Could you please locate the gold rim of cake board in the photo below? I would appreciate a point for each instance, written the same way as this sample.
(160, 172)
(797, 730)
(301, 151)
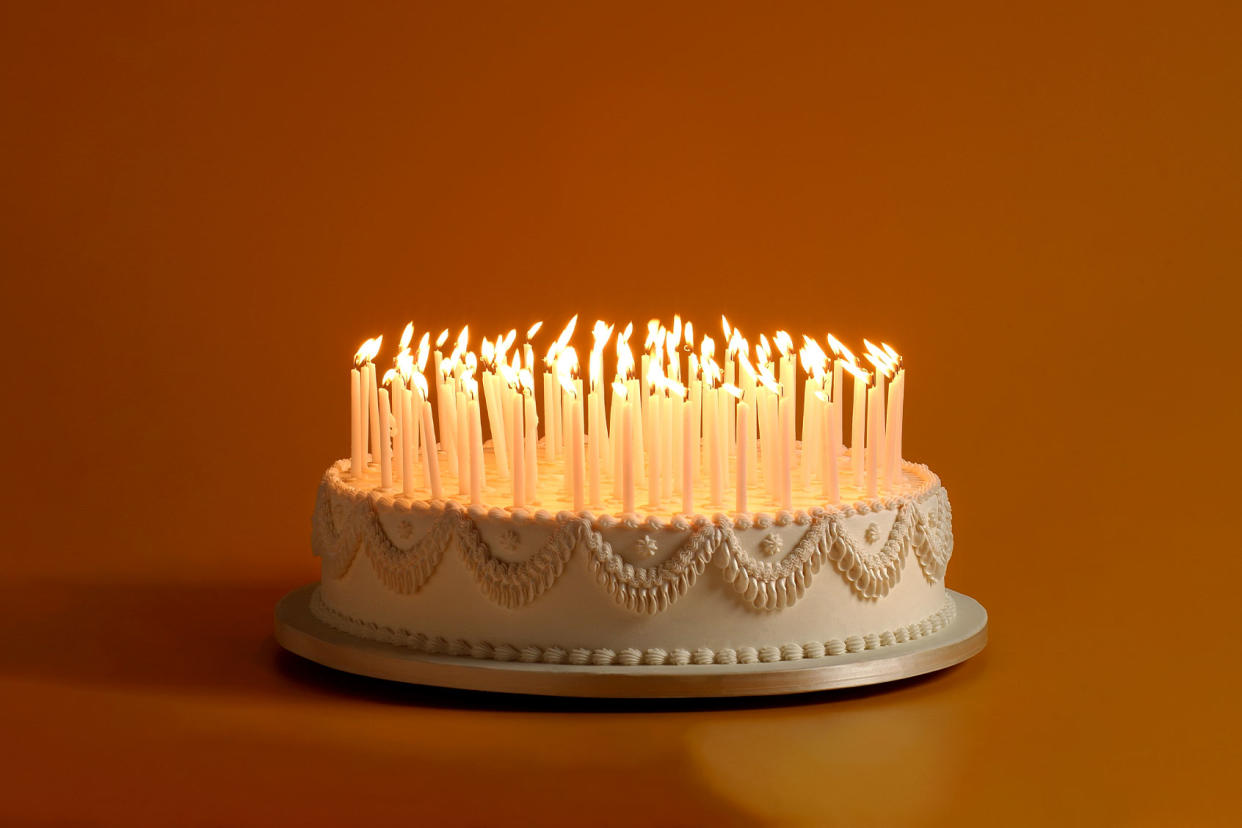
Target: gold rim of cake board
(301, 633)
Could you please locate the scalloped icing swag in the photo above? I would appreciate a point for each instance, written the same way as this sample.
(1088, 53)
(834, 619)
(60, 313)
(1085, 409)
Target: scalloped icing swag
(345, 522)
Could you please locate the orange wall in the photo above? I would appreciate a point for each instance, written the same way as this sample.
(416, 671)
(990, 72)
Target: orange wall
(207, 209)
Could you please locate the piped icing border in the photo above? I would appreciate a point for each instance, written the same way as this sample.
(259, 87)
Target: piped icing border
(346, 520)
(630, 656)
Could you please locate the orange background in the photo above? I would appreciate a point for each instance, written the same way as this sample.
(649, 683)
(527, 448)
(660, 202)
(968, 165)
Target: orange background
(206, 207)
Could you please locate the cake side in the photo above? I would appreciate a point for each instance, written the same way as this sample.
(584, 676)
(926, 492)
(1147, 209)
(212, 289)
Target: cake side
(512, 584)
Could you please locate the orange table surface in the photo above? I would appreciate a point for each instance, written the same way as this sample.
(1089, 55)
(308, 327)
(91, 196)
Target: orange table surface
(206, 208)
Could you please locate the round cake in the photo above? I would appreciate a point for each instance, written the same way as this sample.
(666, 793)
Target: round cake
(557, 570)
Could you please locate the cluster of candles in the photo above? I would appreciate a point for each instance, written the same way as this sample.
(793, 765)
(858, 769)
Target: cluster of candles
(677, 415)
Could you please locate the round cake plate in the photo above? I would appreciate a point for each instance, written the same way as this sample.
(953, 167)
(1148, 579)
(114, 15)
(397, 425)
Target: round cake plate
(300, 632)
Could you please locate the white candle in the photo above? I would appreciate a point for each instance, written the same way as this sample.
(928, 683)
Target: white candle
(838, 377)
(518, 444)
(688, 435)
(786, 459)
(653, 452)
(550, 418)
(627, 455)
(463, 444)
(383, 435)
(364, 411)
(431, 459)
(593, 452)
(711, 420)
(873, 443)
(493, 399)
(743, 454)
(408, 428)
(373, 394)
(531, 443)
(858, 423)
(575, 454)
(897, 400)
(668, 423)
(832, 438)
(355, 423)
(476, 452)
(810, 432)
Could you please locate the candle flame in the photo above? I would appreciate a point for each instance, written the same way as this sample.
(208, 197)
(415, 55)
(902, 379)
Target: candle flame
(675, 337)
(534, 329)
(618, 388)
(629, 330)
(421, 382)
(502, 346)
(690, 335)
(893, 355)
(567, 367)
(488, 352)
(625, 359)
(388, 377)
(821, 396)
(675, 388)
(405, 366)
(407, 335)
(732, 389)
(707, 349)
(879, 359)
(840, 350)
(526, 381)
(724, 325)
(859, 373)
(784, 342)
(472, 387)
(463, 338)
(423, 351)
(653, 325)
(442, 338)
(768, 379)
(563, 339)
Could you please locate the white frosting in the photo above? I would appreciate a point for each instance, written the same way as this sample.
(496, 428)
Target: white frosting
(581, 589)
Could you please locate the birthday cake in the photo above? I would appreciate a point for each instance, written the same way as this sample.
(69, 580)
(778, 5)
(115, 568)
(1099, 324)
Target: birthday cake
(681, 520)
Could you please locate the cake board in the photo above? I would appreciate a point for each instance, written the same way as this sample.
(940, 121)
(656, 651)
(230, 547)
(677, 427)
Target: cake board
(301, 633)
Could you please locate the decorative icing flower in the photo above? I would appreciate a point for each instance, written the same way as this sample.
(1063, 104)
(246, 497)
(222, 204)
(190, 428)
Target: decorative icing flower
(771, 544)
(646, 546)
(509, 540)
(872, 534)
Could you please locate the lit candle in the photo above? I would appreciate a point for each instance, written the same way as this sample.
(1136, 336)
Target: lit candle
(531, 440)
(743, 454)
(463, 444)
(431, 459)
(810, 431)
(711, 425)
(858, 422)
(576, 459)
(786, 460)
(383, 435)
(873, 443)
(409, 427)
(373, 398)
(627, 447)
(518, 444)
(689, 433)
(476, 447)
(832, 437)
(653, 449)
(355, 423)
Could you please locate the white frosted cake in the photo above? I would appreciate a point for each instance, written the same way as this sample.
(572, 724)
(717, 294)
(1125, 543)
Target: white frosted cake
(471, 573)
